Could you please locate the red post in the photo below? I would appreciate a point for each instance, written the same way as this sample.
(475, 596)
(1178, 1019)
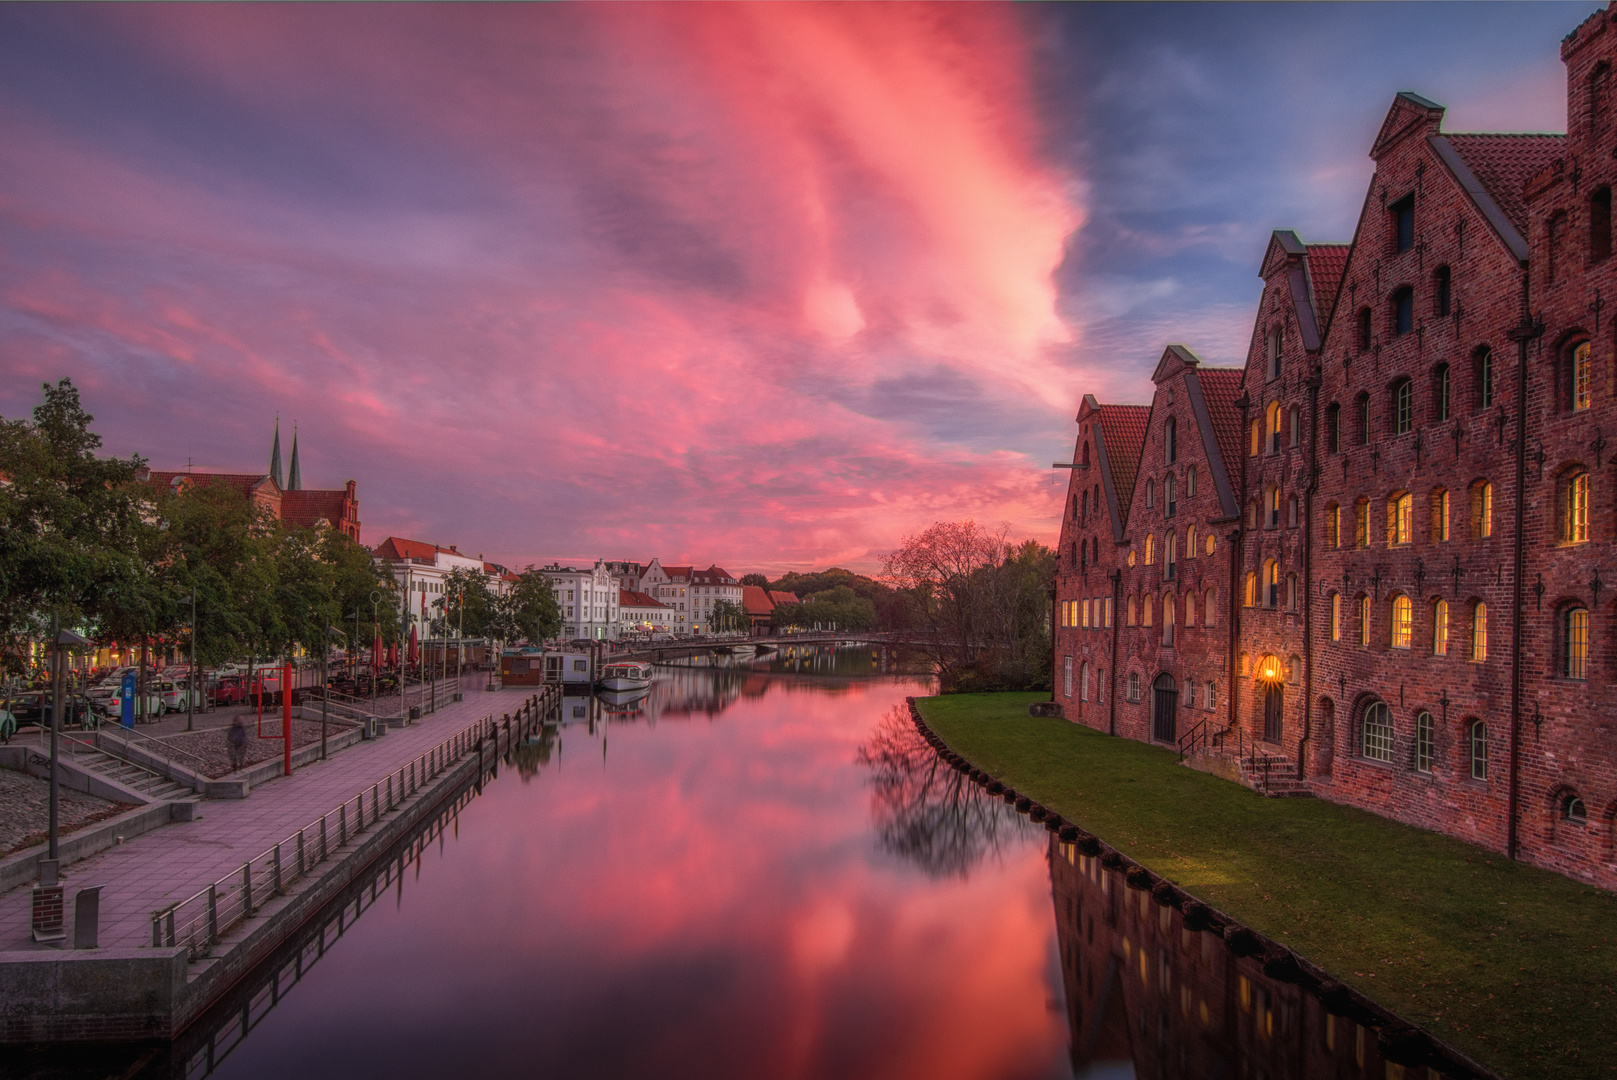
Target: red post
(286, 713)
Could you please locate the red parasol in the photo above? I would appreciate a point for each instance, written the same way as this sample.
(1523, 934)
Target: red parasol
(376, 652)
(414, 650)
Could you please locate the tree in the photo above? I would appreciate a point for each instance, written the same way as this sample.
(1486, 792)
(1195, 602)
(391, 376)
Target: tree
(839, 607)
(755, 579)
(728, 617)
(528, 609)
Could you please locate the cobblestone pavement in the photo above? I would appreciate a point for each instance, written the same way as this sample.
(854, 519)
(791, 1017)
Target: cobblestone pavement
(210, 750)
(169, 864)
(25, 810)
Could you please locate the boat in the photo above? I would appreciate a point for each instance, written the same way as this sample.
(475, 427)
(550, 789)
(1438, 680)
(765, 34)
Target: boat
(625, 675)
(743, 650)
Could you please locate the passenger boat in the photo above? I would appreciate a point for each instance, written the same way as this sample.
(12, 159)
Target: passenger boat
(625, 675)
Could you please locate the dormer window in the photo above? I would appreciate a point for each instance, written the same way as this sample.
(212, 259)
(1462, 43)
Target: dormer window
(1403, 223)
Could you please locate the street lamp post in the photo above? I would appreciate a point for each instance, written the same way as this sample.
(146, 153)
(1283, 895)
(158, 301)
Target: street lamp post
(376, 630)
(191, 682)
(325, 682)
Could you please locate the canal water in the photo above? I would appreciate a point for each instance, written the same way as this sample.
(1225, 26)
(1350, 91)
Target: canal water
(756, 870)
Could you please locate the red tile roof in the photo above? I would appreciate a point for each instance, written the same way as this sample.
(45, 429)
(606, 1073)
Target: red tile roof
(677, 573)
(756, 599)
(396, 547)
(246, 483)
(713, 575)
(1504, 163)
(1220, 389)
(784, 597)
(1326, 263)
(630, 598)
(306, 507)
(1124, 428)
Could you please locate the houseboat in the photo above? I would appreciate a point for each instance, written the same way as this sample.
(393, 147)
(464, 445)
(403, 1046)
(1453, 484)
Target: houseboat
(625, 675)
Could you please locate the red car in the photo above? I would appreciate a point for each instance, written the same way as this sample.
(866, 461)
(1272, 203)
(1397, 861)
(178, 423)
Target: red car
(230, 690)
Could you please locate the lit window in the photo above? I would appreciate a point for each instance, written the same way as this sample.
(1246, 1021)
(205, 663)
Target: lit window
(1273, 414)
(1376, 734)
(1251, 588)
(1271, 583)
(1257, 438)
(1336, 616)
(1108, 611)
(1440, 515)
(1209, 611)
(1479, 750)
(1273, 501)
(1150, 548)
(1575, 507)
(1333, 514)
(1364, 620)
(1211, 544)
(1424, 741)
(1169, 622)
(1403, 618)
(1481, 510)
(1440, 628)
(1129, 617)
(1582, 375)
(1400, 519)
(1145, 611)
(1479, 632)
(1190, 542)
(1575, 643)
(1361, 523)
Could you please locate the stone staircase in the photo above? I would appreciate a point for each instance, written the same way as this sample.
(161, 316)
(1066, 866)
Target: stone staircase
(1273, 776)
(148, 783)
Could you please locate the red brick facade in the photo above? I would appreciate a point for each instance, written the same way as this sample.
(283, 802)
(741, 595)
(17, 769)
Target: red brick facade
(1415, 451)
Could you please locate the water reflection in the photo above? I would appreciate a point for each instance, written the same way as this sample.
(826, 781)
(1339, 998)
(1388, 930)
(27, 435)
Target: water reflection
(928, 813)
(1148, 998)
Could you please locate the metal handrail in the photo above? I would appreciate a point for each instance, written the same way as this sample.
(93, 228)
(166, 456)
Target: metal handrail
(150, 740)
(1188, 741)
(198, 921)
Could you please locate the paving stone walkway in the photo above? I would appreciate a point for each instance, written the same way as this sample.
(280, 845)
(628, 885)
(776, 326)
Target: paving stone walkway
(169, 864)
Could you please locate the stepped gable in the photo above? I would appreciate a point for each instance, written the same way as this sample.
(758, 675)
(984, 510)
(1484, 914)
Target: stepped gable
(1326, 265)
(1124, 427)
(1503, 163)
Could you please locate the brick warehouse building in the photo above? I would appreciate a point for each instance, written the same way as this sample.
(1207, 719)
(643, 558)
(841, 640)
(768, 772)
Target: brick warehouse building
(1419, 512)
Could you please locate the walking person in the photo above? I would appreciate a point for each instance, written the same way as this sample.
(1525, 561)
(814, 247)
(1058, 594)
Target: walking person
(238, 744)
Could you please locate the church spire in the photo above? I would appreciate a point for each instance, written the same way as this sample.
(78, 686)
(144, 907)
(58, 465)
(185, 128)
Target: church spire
(275, 454)
(294, 478)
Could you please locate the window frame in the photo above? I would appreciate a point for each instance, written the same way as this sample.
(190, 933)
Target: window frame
(1401, 629)
(1376, 732)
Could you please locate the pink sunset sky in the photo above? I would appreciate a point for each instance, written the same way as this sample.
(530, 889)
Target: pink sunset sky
(769, 285)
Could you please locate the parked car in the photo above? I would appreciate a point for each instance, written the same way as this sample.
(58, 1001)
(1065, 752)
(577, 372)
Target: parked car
(230, 690)
(177, 696)
(149, 714)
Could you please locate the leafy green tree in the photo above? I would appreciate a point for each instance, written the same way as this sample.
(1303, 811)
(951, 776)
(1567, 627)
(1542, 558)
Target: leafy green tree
(755, 579)
(729, 617)
(467, 605)
(528, 609)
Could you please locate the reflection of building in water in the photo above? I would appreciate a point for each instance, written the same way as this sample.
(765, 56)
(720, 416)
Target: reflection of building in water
(689, 691)
(1147, 997)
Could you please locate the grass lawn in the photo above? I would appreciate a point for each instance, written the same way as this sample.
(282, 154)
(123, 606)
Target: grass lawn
(1513, 965)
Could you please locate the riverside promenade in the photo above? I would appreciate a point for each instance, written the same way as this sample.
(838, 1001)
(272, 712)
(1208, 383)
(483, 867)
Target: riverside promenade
(155, 870)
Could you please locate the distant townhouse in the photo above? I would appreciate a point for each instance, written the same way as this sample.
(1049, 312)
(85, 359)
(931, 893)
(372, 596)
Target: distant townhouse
(640, 613)
(760, 604)
(670, 585)
(422, 571)
(708, 587)
(588, 598)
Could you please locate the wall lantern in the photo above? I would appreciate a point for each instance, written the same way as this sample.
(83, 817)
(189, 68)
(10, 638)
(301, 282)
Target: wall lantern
(1269, 669)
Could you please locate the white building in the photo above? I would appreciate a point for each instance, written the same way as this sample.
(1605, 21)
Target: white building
(588, 599)
(669, 585)
(421, 571)
(639, 613)
(707, 588)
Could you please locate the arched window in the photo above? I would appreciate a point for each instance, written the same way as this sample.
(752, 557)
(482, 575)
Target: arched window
(1291, 592)
(1108, 606)
(1440, 393)
(1440, 515)
(1333, 526)
(1425, 741)
(1365, 333)
(1363, 404)
(1170, 556)
(1210, 544)
(1169, 620)
(1361, 523)
(1375, 735)
(1257, 437)
(1364, 620)
(1190, 482)
(1572, 809)
(1479, 632)
(1190, 542)
(1271, 583)
(1600, 225)
(1599, 98)
(1335, 616)
(1403, 407)
(1440, 627)
(1443, 292)
(1272, 417)
(1477, 733)
(1134, 686)
(1482, 364)
(1251, 588)
(1403, 223)
(1403, 621)
(1481, 510)
(1333, 428)
(1150, 495)
(1403, 310)
(1190, 609)
(1210, 607)
(1170, 433)
(1083, 682)
(1575, 643)
(1150, 548)
(1400, 519)
(1274, 353)
(1145, 611)
(1271, 499)
(1294, 426)
(1574, 499)
(1169, 494)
